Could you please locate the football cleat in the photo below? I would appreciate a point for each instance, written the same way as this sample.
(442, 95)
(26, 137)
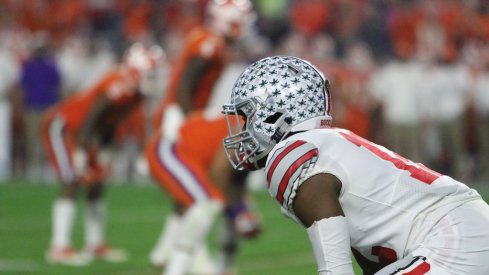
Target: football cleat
(106, 253)
(66, 256)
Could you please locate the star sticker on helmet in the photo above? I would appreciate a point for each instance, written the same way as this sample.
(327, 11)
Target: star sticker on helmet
(262, 73)
(253, 88)
(276, 93)
(311, 111)
(263, 83)
(270, 108)
(285, 85)
(274, 82)
(291, 108)
(261, 115)
(295, 80)
(285, 75)
(301, 91)
(259, 126)
(301, 102)
(273, 72)
(290, 96)
(306, 77)
(310, 88)
(281, 103)
(269, 130)
(302, 114)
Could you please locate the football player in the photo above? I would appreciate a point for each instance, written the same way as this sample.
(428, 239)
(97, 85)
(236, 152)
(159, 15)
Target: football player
(205, 54)
(74, 134)
(196, 174)
(351, 195)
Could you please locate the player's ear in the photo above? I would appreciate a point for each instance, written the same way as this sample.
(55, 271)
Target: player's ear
(317, 198)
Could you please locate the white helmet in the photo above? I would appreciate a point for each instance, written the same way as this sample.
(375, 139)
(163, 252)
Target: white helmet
(230, 18)
(143, 58)
(272, 98)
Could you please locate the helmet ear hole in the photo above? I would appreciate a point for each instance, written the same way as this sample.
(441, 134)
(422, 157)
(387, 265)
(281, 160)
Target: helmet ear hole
(273, 118)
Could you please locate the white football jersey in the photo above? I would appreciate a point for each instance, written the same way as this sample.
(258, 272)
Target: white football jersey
(384, 196)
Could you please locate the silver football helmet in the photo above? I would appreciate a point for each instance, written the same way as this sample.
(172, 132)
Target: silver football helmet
(272, 98)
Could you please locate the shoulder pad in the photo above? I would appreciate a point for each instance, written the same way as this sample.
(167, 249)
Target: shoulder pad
(287, 167)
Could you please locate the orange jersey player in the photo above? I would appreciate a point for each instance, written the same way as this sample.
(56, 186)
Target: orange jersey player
(88, 115)
(72, 134)
(201, 62)
(195, 173)
(188, 178)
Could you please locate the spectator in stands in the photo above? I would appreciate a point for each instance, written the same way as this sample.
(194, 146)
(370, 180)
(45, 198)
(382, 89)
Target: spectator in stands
(397, 86)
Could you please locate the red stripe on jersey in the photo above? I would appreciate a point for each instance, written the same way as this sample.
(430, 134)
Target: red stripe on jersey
(421, 269)
(280, 157)
(292, 169)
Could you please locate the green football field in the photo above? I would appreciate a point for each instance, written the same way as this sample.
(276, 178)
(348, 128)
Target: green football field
(135, 218)
(136, 214)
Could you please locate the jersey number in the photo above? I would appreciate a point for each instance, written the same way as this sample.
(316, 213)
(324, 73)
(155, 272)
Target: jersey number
(417, 170)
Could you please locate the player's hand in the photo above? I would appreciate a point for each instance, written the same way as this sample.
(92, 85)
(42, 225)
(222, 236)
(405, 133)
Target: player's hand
(80, 161)
(172, 121)
(248, 225)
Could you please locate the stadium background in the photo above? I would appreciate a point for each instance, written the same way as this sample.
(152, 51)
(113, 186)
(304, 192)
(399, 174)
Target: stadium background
(399, 68)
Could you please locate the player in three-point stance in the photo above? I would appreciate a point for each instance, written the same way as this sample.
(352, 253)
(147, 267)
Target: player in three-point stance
(351, 195)
(75, 134)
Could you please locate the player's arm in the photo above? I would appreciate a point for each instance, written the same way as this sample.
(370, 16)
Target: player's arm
(317, 206)
(317, 199)
(88, 126)
(191, 77)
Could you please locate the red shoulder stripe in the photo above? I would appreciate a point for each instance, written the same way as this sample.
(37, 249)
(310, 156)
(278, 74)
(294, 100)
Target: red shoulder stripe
(292, 169)
(278, 158)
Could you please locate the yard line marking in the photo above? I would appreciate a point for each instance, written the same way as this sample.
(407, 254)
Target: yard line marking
(19, 265)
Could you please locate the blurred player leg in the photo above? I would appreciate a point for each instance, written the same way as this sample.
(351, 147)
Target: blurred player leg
(196, 223)
(95, 218)
(61, 251)
(228, 246)
(164, 246)
(57, 146)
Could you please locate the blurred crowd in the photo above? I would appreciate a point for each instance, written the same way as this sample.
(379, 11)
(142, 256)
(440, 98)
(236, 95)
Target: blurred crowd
(412, 75)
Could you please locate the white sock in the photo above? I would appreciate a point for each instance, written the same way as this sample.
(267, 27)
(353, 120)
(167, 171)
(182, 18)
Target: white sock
(164, 246)
(63, 217)
(196, 223)
(94, 223)
(180, 259)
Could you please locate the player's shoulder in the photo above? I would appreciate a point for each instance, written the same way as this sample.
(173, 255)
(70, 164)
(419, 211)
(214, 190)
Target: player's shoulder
(292, 160)
(301, 151)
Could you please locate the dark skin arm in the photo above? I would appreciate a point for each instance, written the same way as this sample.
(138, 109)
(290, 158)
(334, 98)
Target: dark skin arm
(191, 78)
(317, 198)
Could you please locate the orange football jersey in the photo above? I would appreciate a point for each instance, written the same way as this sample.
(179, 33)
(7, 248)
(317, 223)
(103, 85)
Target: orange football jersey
(201, 43)
(120, 87)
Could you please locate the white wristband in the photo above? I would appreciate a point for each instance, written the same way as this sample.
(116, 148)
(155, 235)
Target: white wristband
(331, 245)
